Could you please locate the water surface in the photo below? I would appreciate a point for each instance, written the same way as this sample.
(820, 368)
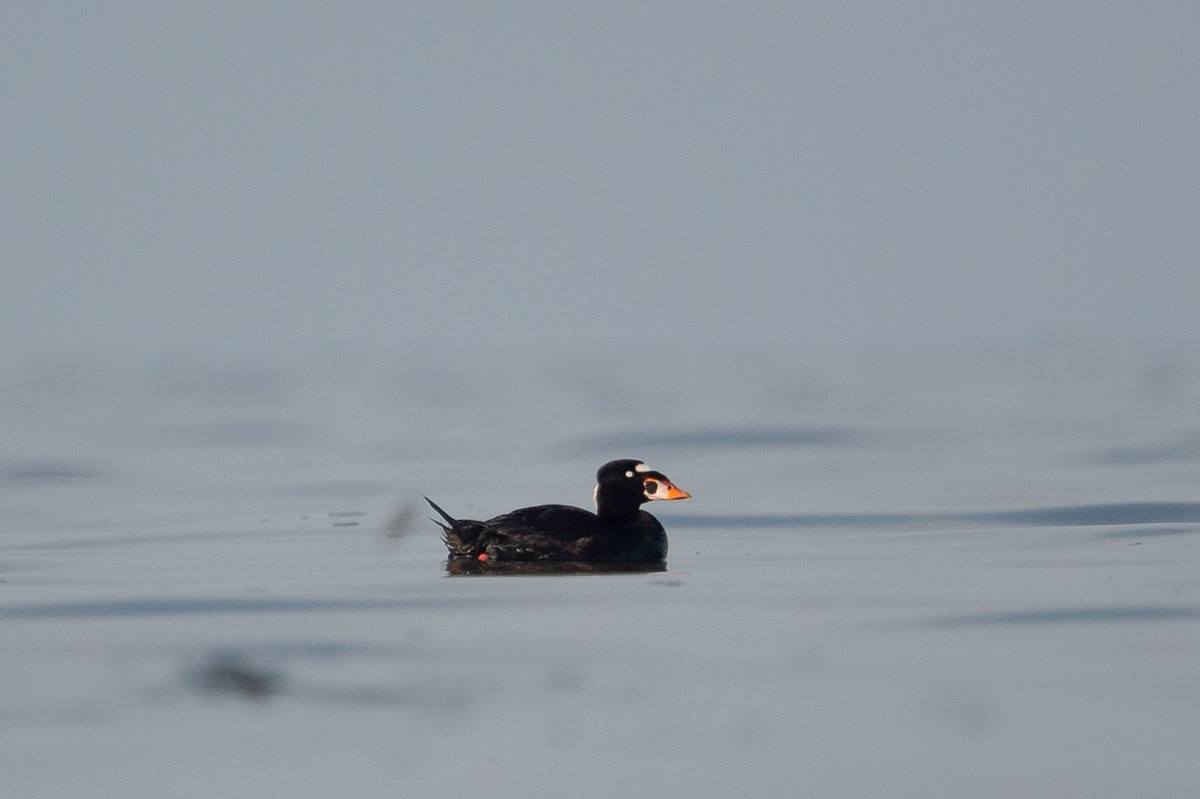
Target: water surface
(972, 578)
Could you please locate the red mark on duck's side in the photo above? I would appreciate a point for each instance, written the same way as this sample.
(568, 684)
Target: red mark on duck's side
(482, 556)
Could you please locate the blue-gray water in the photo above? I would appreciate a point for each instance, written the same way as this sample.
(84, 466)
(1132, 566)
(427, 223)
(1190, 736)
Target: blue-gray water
(912, 577)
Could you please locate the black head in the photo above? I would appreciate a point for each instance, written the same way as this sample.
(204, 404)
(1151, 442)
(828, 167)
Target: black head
(622, 486)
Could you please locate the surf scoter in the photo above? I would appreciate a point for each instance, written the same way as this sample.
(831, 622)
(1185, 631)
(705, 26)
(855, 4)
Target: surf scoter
(618, 532)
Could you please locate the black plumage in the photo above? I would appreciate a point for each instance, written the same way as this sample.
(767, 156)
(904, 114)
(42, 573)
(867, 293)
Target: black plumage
(618, 532)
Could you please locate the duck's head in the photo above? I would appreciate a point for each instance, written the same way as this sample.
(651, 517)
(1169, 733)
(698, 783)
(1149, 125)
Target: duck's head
(622, 486)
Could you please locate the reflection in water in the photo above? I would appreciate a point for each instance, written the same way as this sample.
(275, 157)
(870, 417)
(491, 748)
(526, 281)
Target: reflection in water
(464, 566)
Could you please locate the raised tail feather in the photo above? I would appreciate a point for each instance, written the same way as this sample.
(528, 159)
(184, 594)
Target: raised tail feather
(451, 539)
(449, 519)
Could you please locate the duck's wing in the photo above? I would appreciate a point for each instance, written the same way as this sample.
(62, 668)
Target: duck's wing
(542, 532)
(564, 520)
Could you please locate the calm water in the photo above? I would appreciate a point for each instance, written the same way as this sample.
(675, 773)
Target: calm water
(912, 577)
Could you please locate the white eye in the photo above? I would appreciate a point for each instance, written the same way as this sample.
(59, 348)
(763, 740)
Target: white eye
(629, 474)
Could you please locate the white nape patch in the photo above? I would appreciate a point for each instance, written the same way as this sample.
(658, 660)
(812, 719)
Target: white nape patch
(596, 496)
(641, 467)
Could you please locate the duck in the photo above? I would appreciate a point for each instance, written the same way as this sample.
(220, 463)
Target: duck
(618, 532)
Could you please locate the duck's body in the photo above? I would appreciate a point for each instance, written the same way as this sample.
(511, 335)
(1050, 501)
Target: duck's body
(619, 532)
